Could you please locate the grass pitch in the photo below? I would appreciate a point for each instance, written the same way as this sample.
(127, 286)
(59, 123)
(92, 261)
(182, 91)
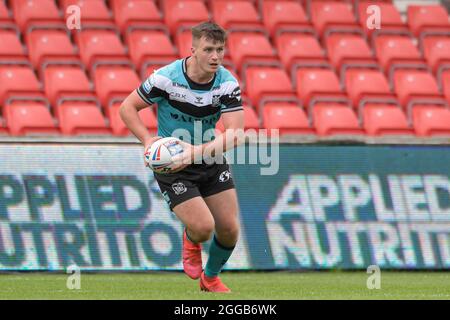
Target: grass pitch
(245, 285)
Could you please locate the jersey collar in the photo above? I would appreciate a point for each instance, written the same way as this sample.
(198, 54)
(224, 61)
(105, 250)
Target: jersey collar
(194, 85)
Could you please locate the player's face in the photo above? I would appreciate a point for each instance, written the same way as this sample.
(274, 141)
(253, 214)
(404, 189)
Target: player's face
(209, 54)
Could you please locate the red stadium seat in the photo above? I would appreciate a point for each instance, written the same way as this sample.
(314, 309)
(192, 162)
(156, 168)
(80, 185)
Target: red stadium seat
(184, 43)
(263, 82)
(446, 84)
(93, 12)
(236, 14)
(5, 16)
(279, 16)
(114, 83)
(427, 18)
(100, 45)
(413, 84)
(333, 16)
(254, 48)
(251, 120)
(30, 117)
(136, 13)
(184, 13)
(384, 119)
(313, 84)
(431, 120)
(303, 49)
(288, 118)
(332, 119)
(29, 13)
(18, 81)
(436, 51)
(50, 45)
(148, 69)
(395, 50)
(345, 49)
(390, 18)
(364, 85)
(81, 118)
(147, 46)
(66, 81)
(119, 128)
(10, 46)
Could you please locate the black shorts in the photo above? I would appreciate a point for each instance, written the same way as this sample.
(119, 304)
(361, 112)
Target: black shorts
(195, 180)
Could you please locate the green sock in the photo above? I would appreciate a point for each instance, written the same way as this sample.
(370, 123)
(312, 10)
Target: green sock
(218, 256)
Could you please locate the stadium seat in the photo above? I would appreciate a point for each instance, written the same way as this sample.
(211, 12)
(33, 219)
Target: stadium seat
(29, 117)
(282, 16)
(18, 81)
(100, 45)
(147, 46)
(288, 118)
(414, 84)
(333, 16)
(136, 13)
(301, 49)
(427, 18)
(119, 128)
(365, 85)
(50, 45)
(333, 119)
(437, 51)
(184, 13)
(10, 46)
(263, 83)
(81, 118)
(390, 18)
(385, 119)
(446, 84)
(394, 50)
(313, 84)
(114, 83)
(431, 120)
(250, 48)
(184, 43)
(348, 49)
(5, 16)
(28, 13)
(237, 15)
(66, 81)
(148, 68)
(251, 120)
(93, 12)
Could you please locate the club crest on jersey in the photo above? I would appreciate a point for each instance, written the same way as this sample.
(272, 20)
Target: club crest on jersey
(225, 176)
(179, 188)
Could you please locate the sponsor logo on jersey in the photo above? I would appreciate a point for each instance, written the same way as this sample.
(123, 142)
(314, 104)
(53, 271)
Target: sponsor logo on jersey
(179, 188)
(216, 101)
(148, 85)
(198, 100)
(225, 176)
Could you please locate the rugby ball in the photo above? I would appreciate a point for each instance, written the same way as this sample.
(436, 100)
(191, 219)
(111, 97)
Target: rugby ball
(159, 154)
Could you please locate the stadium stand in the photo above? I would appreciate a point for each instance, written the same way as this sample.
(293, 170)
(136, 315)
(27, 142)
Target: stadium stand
(309, 67)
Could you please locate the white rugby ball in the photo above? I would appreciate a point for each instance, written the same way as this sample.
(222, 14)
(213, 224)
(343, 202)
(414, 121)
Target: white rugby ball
(159, 155)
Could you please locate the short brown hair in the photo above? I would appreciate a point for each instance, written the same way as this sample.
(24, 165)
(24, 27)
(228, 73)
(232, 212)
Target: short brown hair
(210, 30)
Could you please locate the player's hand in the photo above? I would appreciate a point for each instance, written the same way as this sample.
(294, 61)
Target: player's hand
(147, 145)
(190, 154)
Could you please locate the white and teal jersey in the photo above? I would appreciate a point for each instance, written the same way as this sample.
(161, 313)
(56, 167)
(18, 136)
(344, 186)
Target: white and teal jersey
(184, 104)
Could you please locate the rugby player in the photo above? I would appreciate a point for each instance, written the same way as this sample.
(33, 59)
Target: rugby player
(194, 91)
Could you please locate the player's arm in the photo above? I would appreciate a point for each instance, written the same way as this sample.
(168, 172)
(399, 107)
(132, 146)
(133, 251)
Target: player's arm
(232, 136)
(129, 114)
